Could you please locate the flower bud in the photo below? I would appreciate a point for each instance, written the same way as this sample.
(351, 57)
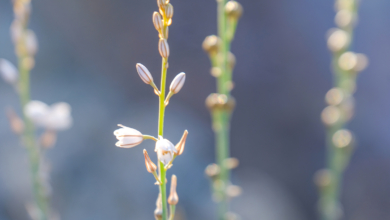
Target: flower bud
(338, 40)
(48, 139)
(180, 146)
(233, 10)
(16, 123)
(342, 138)
(165, 150)
(144, 73)
(161, 3)
(348, 61)
(163, 48)
(128, 137)
(157, 21)
(8, 72)
(173, 198)
(177, 83)
(158, 212)
(31, 42)
(233, 191)
(212, 170)
(231, 163)
(220, 102)
(169, 11)
(150, 166)
(211, 45)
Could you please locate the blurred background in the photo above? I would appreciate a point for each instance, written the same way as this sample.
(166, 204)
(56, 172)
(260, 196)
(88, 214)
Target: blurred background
(87, 56)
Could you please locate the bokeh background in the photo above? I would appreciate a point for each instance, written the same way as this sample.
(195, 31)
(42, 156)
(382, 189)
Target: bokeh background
(87, 56)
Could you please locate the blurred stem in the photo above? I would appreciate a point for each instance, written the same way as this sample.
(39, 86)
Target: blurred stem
(28, 138)
(338, 158)
(172, 212)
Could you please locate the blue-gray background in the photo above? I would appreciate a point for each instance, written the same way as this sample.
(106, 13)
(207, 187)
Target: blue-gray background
(87, 56)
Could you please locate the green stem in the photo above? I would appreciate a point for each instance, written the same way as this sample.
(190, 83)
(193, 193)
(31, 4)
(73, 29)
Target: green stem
(163, 191)
(172, 212)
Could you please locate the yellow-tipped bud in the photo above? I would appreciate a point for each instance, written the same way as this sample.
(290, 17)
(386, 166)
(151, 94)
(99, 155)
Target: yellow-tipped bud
(163, 48)
(233, 9)
(180, 146)
(157, 21)
(173, 198)
(169, 11)
(150, 166)
(211, 45)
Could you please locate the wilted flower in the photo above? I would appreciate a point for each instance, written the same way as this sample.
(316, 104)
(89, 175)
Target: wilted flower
(128, 137)
(165, 150)
(55, 117)
(9, 72)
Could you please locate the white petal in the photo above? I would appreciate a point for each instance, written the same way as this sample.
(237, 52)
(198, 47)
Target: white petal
(128, 137)
(166, 145)
(59, 117)
(178, 82)
(8, 71)
(37, 112)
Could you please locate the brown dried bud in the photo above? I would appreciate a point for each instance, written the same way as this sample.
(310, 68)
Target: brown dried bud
(212, 170)
(163, 48)
(220, 102)
(180, 146)
(173, 198)
(233, 10)
(150, 166)
(161, 3)
(16, 123)
(211, 45)
(48, 139)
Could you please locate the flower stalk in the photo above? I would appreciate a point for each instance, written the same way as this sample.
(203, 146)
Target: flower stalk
(222, 103)
(339, 140)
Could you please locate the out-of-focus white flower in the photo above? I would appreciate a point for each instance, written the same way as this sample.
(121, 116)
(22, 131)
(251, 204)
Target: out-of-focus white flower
(177, 83)
(8, 72)
(128, 137)
(31, 42)
(55, 117)
(165, 150)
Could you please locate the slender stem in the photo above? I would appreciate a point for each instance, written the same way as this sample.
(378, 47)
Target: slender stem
(172, 212)
(337, 158)
(163, 191)
(28, 137)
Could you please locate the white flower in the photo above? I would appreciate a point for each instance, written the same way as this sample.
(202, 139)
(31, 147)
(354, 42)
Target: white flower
(9, 72)
(177, 83)
(165, 150)
(128, 137)
(55, 117)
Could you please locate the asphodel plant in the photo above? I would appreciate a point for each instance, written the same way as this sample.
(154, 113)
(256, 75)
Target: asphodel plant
(221, 104)
(340, 141)
(166, 151)
(36, 114)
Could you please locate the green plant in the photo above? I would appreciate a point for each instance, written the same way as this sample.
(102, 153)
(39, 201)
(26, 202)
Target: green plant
(221, 104)
(346, 66)
(166, 151)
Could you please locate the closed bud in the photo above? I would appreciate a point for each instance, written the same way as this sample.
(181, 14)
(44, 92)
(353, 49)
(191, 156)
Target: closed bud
(177, 83)
(180, 146)
(233, 191)
(157, 21)
(16, 123)
(48, 139)
(348, 61)
(211, 45)
(362, 62)
(144, 73)
(338, 40)
(128, 137)
(31, 42)
(150, 166)
(231, 163)
(231, 60)
(161, 3)
(342, 138)
(173, 198)
(8, 72)
(163, 48)
(212, 170)
(169, 11)
(220, 102)
(233, 9)
(158, 212)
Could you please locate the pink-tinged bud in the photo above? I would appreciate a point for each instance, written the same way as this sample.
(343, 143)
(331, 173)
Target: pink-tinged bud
(173, 198)
(180, 146)
(157, 21)
(177, 83)
(128, 137)
(163, 48)
(31, 42)
(144, 73)
(15, 121)
(8, 72)
(150, 166)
